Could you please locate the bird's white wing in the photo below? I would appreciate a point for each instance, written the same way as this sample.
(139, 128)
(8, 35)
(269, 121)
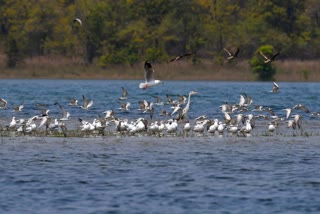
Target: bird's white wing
(43, 121)
(264, 56)
(228, 52)
(90, 104)
(78, 20)
(242, 100)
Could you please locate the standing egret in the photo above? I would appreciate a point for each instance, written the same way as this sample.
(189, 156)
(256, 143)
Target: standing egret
(186, 108)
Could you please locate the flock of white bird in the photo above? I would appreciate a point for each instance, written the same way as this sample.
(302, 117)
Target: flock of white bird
(238, 119)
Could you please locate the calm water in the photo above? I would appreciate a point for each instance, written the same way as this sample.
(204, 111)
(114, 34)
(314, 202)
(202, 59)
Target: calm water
(106, 93)
(259, 174)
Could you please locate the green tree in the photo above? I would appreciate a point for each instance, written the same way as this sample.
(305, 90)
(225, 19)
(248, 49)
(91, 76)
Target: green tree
(183, 29)
(130, 31)
(265, 71)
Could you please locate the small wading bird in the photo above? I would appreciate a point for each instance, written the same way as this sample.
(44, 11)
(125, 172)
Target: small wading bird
(267, 59)
(148, 77)
(232, 55)
(180, 57)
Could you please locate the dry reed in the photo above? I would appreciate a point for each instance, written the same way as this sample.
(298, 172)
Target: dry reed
(57, 67)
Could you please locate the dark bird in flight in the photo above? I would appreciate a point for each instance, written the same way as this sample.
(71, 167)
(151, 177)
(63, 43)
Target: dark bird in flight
(232, 55)
(180, 57)
(269, 59)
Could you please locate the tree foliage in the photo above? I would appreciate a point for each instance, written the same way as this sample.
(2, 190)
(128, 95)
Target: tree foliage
(265, 71)
(131, 31)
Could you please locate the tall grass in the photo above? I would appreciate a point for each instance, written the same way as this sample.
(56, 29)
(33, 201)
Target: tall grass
(57, 67)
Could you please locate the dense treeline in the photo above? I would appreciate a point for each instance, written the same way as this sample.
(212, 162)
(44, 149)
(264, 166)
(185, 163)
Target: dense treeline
(130, 31)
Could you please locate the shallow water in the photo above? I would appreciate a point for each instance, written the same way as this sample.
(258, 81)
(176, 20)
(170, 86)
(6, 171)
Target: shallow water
(150, 174)
(105, 94)
(160, 175)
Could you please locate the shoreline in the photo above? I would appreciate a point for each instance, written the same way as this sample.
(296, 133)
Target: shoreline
(38, 68)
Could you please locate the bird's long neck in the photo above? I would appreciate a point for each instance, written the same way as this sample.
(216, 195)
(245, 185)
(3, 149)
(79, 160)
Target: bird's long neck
(188, 104)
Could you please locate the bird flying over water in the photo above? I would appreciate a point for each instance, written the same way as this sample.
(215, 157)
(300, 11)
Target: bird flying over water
(3, 104)
(158, 100)
(73, 102)
(148, 77)
(18, 108)
(108, 114)
(124, 106)
(65, 114)
(124, 95)
(275, 88)
(301, 107)
(86, 104)
(169, 99)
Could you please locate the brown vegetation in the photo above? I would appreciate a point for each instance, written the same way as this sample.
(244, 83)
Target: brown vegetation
(53, 67)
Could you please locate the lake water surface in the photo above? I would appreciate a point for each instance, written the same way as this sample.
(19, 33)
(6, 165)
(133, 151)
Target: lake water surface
(148, 174)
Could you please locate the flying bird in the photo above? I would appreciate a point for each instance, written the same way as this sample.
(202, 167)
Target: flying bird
(148, 77)
(275, 88)
(73, 102)
(65, 114)
(301, 107)
(269, 59)
(86, 104)
(232, 55)
(169, 99)
(77, 20)
(124, 106)
(18, 108)
(108, 114)
(124, 95)
(158, 100)
(3, 104)
(179, 57)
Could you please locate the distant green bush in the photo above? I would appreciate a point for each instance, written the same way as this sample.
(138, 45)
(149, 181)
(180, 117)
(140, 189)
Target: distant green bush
(121, 56)
(265, 71)
(155, 54)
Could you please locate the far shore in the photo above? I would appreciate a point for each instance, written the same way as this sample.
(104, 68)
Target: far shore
(239, 70)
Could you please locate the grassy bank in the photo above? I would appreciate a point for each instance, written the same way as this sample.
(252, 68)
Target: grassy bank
(75, 68)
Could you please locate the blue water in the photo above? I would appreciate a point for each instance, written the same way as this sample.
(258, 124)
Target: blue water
(143, 174)
(106, 93)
